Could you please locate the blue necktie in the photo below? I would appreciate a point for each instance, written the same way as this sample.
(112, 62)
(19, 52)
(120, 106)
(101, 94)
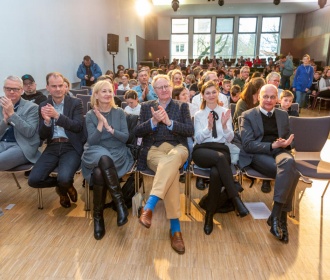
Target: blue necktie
(269, 114)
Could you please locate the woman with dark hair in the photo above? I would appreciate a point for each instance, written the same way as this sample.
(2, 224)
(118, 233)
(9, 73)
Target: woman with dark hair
(213, 129)
(106, 157)
(249, 98)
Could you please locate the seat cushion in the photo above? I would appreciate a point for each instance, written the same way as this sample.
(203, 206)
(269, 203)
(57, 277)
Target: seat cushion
(314, 169)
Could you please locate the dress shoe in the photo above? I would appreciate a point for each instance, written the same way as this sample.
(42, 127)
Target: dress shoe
(177, 242)
(64, 199)
(275, 229)
(240, 207)
(182, 179)
(265, 187)
(72, 192)
(200, 185)
(285, 232)
(208, 226)
(145, 218)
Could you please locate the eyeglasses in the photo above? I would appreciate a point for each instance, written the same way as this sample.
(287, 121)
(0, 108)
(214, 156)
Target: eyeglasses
(166, 87)
(9, 89)
(272, 97)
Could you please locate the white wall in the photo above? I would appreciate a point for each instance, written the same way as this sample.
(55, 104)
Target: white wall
(288, 25)
(41, 36)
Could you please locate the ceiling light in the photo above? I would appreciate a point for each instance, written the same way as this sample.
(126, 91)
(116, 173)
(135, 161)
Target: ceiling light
(221, 2)
(175, 5)
(322, 3)
(276, 2)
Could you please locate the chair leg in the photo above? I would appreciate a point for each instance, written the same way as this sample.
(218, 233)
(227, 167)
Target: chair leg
(325, 190)
(17, 183)
(87, 197)
(293, 211)
(40, 202)
(187, 192)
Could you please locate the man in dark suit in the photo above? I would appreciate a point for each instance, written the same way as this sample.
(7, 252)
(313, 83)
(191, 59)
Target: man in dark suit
(164, 125)
(266, 140)
(61, 123)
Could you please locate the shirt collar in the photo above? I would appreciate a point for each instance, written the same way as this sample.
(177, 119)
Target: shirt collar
(61, 104)
(265, 112)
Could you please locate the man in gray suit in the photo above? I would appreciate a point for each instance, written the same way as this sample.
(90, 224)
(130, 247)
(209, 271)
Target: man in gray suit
(266, 141)
(19, 138)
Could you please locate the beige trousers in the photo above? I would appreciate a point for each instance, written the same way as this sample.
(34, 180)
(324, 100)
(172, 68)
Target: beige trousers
(165, 161)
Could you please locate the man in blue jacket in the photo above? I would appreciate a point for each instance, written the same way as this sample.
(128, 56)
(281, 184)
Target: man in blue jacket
(88, 71)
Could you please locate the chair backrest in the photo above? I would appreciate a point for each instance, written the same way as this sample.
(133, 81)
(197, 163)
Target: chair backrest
(310, 134)
(79, 91)
(89, 89)
(121, 97)
(85, 99)
(89, 106)
(120, 92)
(123, 105)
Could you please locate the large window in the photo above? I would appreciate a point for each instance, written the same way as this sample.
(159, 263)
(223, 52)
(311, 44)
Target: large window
(202, 37)
(224, 37)
(246, 40)
(179, 39)
(270, 35)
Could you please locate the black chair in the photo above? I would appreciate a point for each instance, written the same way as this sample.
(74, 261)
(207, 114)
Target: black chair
(123, 105)
(120, 92)
(79, 91)
(85, 99)
(19, 169)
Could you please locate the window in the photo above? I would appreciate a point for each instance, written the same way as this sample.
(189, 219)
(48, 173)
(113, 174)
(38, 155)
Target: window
(224, 37)
(202, 37)
(269, 37)
(179, 43)
(246, 40)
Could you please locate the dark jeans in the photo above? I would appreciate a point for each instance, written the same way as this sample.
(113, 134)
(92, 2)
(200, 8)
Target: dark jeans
(61, 155)
(281, 166)
(285, 82)
(220, 176)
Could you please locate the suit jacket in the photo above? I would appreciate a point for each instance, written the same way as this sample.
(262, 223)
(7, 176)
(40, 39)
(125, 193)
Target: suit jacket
(183, 127)
(25, 123)
(252, 131)
(72, 120)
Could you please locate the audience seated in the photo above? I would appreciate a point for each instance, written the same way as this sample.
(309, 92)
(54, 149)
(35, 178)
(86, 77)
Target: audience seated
(213, 130)
(235, 94)
(61, 123)
(144, 89)
(244, 75)
(106, 157)
(133, 107)
(164, 125)
(30, 90)
(19, 136)
(324, 85)
(274, 78)
(124, 82)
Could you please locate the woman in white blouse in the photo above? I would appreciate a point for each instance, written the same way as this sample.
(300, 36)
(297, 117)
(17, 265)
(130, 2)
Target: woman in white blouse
(213, 129)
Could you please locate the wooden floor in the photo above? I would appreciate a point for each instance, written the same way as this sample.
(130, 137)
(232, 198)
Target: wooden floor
(58, 243)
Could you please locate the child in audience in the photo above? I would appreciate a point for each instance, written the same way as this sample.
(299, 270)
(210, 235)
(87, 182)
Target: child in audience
(235, 93)
(225, 89)
(133, 107)
(286, 99)
(132, 83)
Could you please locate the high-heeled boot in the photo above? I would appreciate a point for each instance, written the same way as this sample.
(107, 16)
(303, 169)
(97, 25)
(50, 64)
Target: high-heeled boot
(111, 179)
(240, 207)
(99, 194)
(208, 225)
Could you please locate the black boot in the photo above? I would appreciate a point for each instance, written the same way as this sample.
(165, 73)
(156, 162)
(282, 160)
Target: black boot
(240, 207)
(284, 228)
(111, 179)
(208, 226)
(275, 229)
(99, 194)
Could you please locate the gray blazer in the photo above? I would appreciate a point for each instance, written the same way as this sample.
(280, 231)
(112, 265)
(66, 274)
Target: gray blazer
(25, 123)
(252, 131)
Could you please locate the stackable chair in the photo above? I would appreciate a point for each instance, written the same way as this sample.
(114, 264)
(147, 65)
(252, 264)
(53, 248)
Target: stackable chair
(85, 99)
(79, 91)
(19, 169)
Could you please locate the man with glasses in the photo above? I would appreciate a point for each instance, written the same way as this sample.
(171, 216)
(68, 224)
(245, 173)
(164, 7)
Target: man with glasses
(274, 78)
(266, 141)
(244, 74)
(30, 90)
(164, 126)
(144, 89)
(19, 139)
(61, 123)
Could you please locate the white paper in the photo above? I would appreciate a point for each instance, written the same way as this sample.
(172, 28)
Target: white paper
(10, 206)
(258, 210)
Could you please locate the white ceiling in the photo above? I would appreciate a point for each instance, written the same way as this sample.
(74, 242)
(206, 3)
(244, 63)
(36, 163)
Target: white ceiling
(234, 7)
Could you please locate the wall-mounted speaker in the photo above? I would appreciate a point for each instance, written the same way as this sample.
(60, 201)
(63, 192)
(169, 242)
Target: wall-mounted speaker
(113, 43)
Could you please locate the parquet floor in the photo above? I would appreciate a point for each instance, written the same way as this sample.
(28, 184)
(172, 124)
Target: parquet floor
(58, 243)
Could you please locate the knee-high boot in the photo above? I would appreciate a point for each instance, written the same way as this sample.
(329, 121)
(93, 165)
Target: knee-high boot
(111, 179)
(99, 194)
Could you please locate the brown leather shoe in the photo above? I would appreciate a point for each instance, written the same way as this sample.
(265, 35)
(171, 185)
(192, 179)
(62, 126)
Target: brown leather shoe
(145, 218)
(72, 192)
(64, 199)
(177, 242)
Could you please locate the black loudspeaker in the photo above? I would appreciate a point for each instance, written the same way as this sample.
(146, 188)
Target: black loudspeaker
(113, 43)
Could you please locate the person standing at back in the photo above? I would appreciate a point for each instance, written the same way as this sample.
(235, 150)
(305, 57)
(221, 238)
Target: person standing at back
(88, 71)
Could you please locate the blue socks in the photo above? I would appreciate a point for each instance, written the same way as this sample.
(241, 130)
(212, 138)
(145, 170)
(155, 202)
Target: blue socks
(175, 226)
(151, 203)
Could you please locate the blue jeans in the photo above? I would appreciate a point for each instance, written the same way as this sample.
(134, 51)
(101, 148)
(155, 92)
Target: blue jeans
(300, 98)
(61, 155)
(11, 155)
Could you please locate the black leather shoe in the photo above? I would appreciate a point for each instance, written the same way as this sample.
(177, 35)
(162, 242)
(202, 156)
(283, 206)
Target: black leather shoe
(285, 232)
(265, 187)
(64, 199)
(240, 207)
(200, 185)
(275, 229)
(72, 192)
(208, 226)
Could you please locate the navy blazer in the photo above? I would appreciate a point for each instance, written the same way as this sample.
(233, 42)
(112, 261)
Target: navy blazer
(252, 131)
(72, 120)
(183, 127)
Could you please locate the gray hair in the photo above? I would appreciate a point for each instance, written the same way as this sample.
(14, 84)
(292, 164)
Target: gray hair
(158, 77)
(14, 79)
(272, 75)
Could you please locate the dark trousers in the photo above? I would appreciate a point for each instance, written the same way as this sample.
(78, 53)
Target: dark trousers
(220, 176)
(280, 166)
(285, 82)
(61, 155)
